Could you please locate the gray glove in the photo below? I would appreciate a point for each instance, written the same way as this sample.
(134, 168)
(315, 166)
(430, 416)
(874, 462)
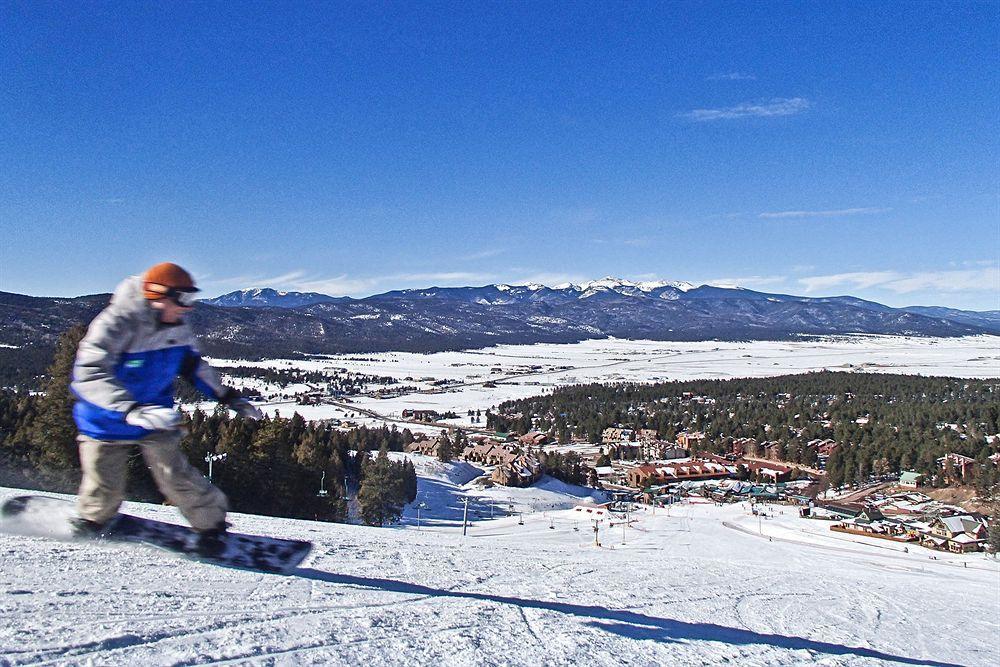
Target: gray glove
(153, 417)
(245, 408)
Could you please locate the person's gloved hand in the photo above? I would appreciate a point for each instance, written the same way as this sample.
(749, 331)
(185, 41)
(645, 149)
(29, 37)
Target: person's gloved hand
(245, 408)
(241, 406)
(153, 417)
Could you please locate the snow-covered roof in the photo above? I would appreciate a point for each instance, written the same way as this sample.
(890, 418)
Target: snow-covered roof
(958, 524)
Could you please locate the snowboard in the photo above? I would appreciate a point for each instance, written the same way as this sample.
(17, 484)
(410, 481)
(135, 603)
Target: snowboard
(51, 517)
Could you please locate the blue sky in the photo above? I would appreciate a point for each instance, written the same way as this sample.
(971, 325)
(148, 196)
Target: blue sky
(357, 147)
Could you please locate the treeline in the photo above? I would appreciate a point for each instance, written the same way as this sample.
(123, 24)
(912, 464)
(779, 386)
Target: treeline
(568, 467)
(906, 422)
(348, 383)
(335, 384)
(23, 368)
(276, 466)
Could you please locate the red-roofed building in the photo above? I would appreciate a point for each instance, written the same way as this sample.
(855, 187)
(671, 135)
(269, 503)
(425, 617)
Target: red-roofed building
(695, 469)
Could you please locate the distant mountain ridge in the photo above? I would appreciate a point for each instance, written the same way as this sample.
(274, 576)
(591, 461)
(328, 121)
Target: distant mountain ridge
(265, 297)
(264, 322)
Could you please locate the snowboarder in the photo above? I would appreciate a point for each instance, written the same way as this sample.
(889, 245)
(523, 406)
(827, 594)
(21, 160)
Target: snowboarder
(123, 378)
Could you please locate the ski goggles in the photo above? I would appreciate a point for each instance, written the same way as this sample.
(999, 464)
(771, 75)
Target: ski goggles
(184, 299)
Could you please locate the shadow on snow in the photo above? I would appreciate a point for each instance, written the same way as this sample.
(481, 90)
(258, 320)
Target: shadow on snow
(445, 506)
(626, 623)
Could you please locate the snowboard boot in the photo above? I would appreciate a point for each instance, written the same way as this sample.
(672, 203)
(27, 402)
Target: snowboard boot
(86, 529)
(211, 542)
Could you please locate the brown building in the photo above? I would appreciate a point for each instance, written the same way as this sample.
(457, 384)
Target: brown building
(691, 440)
(425, 447)
(616, 434)
(695, 469)
(774, 472)
(421, 415)
(524, 470)
(963, 533)
(489, 453)
(744, 447)
(534, 439)
(957, 465)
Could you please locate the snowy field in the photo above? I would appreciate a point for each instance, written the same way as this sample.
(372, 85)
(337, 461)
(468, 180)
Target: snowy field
(701, 584)
(520, 371)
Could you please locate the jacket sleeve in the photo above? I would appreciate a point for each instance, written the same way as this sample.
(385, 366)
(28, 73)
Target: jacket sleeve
(203, 376)
(97, 358)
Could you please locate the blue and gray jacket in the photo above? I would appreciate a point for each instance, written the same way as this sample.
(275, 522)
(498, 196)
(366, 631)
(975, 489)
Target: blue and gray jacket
(129, 358)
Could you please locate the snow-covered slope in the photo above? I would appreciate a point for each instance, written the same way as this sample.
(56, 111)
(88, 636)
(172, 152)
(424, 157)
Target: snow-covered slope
(441, 488)
(695, 587)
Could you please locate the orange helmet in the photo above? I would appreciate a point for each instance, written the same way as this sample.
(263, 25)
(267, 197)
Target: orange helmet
(166, 280)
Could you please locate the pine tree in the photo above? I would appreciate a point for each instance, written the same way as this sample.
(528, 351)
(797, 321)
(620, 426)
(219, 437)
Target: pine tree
(51, 434)
(445, 450)
(994, 537)
(381, 495)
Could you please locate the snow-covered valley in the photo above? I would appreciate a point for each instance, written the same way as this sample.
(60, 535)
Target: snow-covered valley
(484, 378)
(700, 584)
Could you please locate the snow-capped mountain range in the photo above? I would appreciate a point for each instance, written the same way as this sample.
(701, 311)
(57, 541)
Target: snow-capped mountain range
(262, 297)
(264, 322)
(265, 297)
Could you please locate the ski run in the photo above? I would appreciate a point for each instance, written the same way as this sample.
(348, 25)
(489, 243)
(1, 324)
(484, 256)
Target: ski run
(698, 584)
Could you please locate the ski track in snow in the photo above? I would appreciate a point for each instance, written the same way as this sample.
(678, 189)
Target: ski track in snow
(701, 585)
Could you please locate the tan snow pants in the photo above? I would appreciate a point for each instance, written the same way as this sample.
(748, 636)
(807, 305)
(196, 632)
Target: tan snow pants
(104, 465)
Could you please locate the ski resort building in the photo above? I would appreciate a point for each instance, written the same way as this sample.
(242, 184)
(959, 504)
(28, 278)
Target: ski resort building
(523, 471)
(956, 465)
(421, 415)
(534, 439)
(963, 533)
(646, 475)
(426, 447)
(489, 453)
(691, 440)
(612, 435)
(744, 447)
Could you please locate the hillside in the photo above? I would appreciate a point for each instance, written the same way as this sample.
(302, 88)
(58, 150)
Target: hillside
(265, 323)
(695, 587)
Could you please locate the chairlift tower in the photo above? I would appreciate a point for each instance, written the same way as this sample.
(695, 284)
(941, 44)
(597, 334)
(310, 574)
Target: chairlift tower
(212, 458)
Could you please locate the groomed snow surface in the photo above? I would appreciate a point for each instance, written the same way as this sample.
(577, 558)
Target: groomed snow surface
(701, 584)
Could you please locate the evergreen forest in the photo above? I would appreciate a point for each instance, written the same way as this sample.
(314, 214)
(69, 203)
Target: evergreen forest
(883, 423)
(278, 466)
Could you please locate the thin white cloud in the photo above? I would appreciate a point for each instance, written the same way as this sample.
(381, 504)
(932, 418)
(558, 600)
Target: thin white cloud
(776, 107)
(972, 280)
(731, 76)
(833, 213)
(632, 242)
(249, 281)
(483, 254)
(747, 281)
(857, 279)
(339, 285)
